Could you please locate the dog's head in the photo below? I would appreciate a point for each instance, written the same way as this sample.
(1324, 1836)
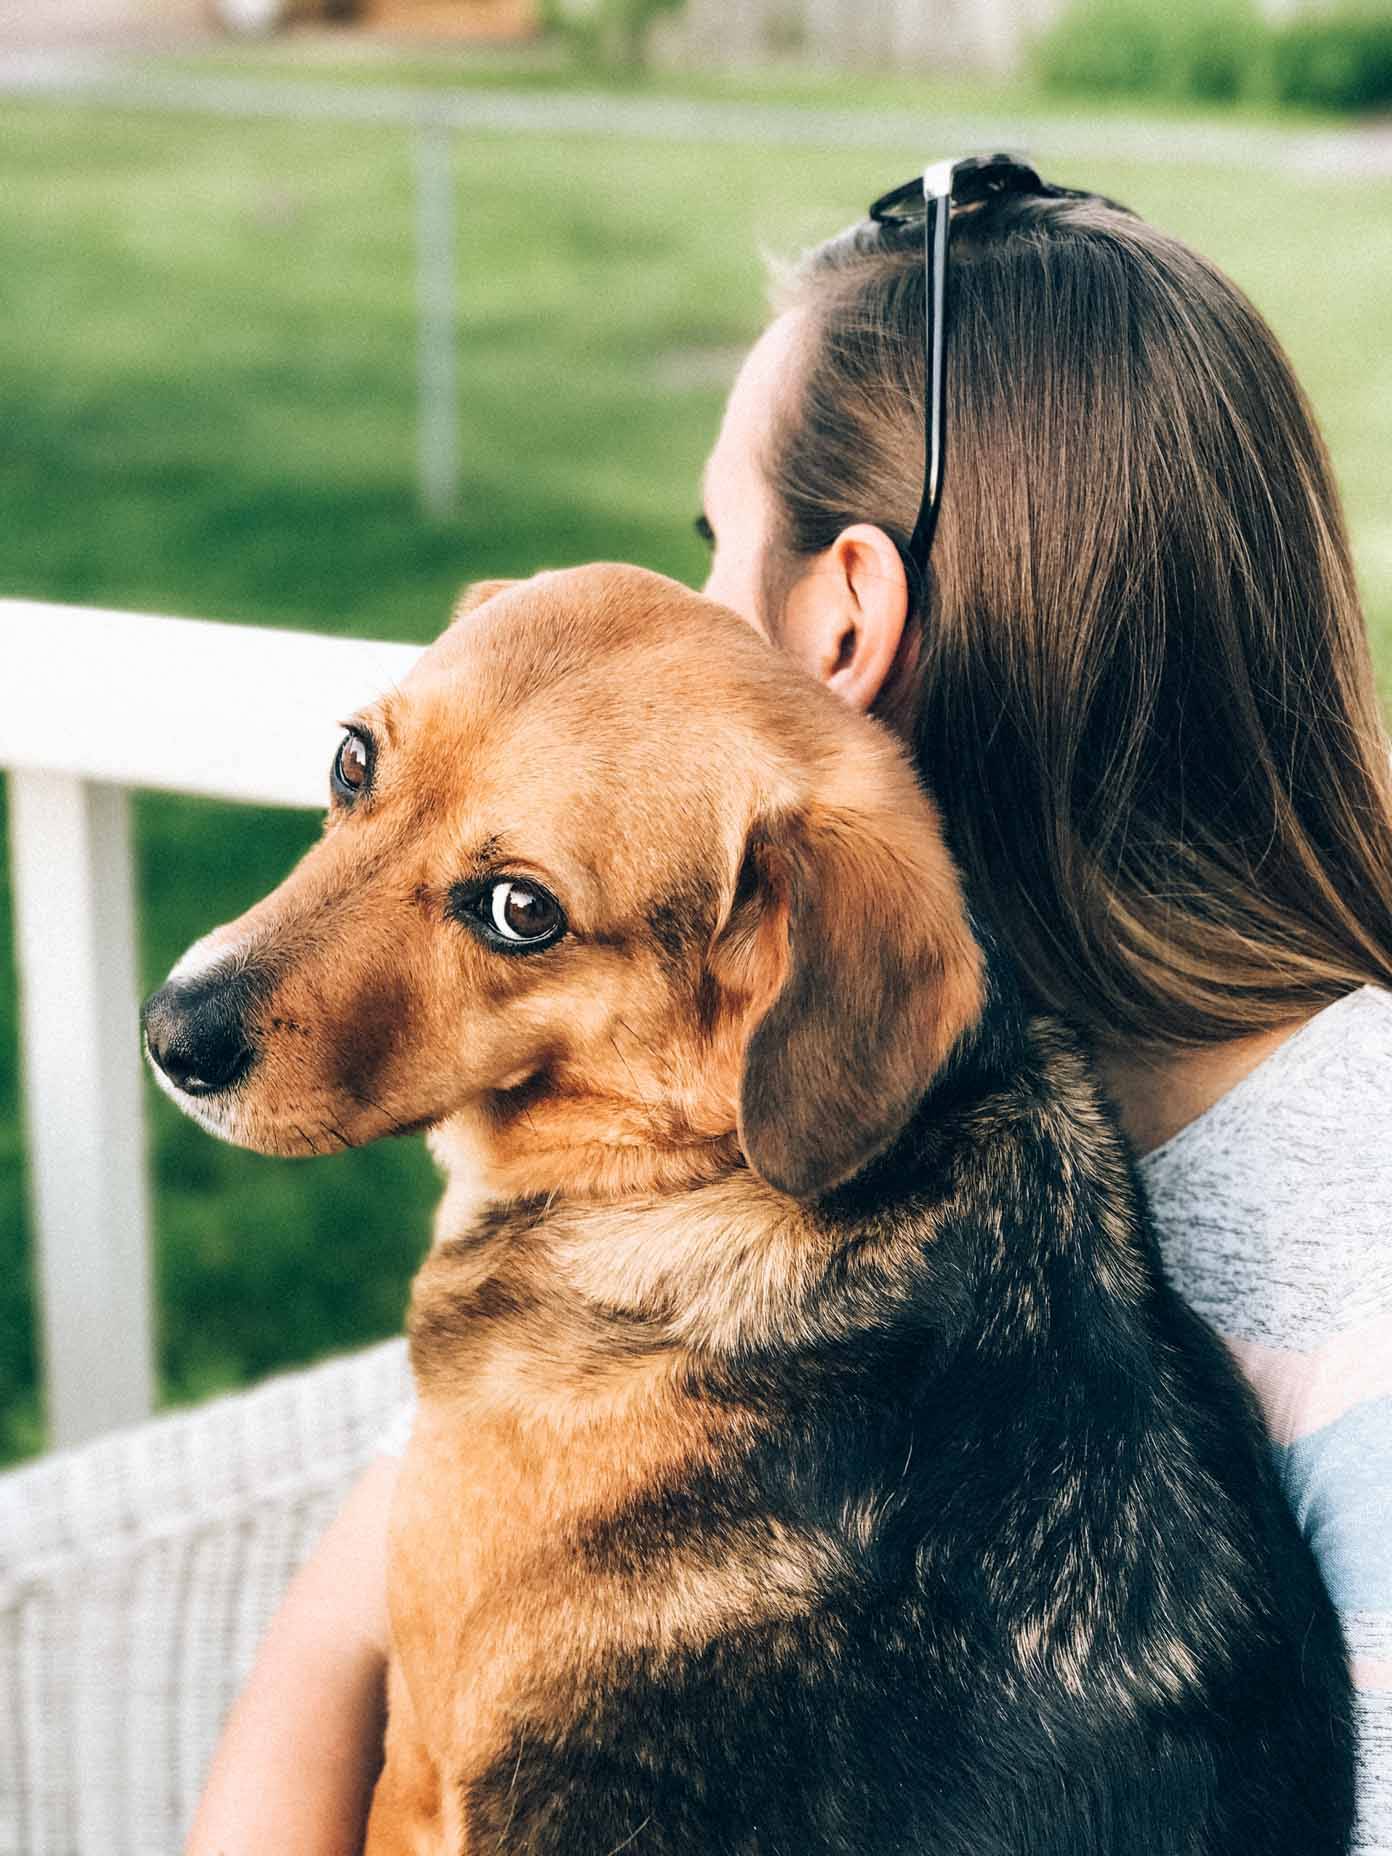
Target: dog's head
(608, 891)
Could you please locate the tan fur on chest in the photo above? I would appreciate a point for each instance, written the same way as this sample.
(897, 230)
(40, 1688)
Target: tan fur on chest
(554, 1394)
(532, 1433)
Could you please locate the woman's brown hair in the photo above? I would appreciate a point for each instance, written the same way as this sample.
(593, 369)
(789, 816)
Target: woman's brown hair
(1137, 679)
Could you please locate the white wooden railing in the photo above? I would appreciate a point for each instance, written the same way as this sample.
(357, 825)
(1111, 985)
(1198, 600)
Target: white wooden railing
(93, 703)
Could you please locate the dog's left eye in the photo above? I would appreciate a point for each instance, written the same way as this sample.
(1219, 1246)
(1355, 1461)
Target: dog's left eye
(352, 768)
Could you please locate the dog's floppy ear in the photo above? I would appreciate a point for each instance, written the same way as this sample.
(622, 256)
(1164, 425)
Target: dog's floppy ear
(864, 913)
(476, 593)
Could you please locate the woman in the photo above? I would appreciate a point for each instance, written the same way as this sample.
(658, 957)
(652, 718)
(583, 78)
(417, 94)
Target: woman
(1133, 669)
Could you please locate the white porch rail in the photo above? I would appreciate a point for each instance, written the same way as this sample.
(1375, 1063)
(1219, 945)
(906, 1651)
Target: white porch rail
(95, 703)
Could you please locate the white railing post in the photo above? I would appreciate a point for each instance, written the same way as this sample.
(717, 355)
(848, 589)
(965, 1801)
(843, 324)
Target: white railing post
(100, 703)
(70, 857)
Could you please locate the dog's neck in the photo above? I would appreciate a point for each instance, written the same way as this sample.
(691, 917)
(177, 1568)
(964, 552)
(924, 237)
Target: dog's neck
(617, 1267)
(639, 1177)
(601, 1175)
(508, 1150)
(554, 1302)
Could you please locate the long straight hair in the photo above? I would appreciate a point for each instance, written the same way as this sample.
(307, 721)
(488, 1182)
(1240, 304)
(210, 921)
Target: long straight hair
(1137, 679)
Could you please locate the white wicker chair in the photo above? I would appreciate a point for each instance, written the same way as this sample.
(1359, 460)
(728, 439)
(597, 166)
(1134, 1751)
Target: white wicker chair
(137, 1574)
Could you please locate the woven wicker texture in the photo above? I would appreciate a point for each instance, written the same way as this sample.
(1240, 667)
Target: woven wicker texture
(137, 1575)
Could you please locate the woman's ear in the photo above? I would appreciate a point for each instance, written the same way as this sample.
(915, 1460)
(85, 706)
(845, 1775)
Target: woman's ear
(844, 619)
(878, 977)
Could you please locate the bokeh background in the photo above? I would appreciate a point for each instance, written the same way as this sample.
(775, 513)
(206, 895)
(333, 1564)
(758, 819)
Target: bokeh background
(208, 394)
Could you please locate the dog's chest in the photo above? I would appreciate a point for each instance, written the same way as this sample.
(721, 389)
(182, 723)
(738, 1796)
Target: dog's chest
(468, 1547)
(504, 1586)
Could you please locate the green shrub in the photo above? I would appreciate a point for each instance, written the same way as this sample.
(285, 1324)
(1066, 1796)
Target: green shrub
(1111, 46)
(1340, 60)
(1213, 56)
(1130, 46)
(1216, 53)
(613, 32)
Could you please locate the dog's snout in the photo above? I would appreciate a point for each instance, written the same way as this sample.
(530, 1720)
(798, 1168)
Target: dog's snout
(195, 1031)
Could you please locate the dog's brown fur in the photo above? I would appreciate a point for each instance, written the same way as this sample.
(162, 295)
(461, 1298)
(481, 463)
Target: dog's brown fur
(752, 899)
(760, 1182)
(616, 1067)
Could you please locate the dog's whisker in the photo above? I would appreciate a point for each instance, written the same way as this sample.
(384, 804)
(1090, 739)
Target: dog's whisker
(394, 1125)
(664, 1061)
(512, 1789)
(637, 1087)
(364, 1100)
(631, 1835)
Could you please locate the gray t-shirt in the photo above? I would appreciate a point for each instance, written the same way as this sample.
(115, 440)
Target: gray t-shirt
(1274, 1212)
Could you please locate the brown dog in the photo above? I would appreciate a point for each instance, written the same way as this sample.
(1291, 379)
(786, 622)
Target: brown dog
(745, 1147)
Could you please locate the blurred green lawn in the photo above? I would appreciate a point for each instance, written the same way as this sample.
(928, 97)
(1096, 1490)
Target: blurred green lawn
(207, 407)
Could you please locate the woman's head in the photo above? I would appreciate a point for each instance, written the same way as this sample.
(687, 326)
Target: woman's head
(1137, 677)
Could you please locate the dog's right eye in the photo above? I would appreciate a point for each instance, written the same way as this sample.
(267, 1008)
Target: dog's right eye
(352, 768)
(511, 913)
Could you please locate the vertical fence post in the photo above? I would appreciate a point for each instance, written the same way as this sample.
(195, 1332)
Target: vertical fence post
(438, 411)
(75, 946)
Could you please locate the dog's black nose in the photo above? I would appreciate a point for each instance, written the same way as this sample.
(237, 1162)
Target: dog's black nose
(195, 1032)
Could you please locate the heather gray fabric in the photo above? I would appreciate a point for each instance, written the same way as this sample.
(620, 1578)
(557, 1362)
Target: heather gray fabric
(1274, 1212)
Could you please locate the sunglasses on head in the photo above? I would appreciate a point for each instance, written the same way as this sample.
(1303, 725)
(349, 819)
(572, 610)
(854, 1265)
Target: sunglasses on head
(944, 188)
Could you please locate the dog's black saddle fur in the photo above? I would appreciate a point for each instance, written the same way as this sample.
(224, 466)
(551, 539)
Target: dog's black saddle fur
(1073, 1615)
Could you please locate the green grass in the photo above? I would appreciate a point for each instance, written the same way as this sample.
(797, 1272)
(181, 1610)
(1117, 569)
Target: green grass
(207, 394)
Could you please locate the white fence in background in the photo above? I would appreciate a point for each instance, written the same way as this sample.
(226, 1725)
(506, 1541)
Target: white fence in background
(905, 36)
(96, 703)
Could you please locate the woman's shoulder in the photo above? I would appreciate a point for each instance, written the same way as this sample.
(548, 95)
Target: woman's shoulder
(1274, 1209)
